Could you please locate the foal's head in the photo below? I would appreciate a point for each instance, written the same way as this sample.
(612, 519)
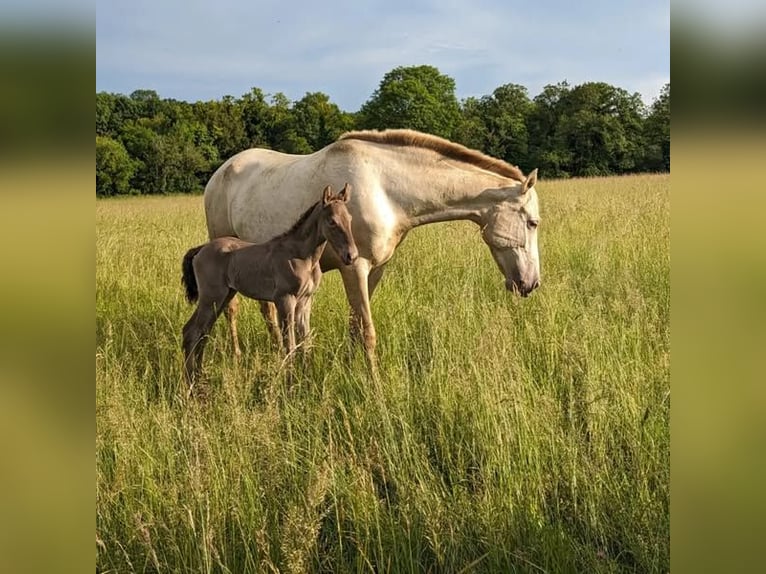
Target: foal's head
(335, 223)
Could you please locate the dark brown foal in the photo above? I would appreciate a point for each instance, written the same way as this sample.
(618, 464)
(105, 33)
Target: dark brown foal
(284, 270)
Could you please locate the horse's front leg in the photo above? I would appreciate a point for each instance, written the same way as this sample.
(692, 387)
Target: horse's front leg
(286, 314)
(303, 322)
(356, 285)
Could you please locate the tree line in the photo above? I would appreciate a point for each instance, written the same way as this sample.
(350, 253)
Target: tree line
(151, 145)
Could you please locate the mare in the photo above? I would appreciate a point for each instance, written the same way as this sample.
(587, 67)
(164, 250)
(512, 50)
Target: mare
(403, 179)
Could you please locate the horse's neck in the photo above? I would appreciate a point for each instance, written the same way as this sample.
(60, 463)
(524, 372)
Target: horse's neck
(445, 192)
(307, 240)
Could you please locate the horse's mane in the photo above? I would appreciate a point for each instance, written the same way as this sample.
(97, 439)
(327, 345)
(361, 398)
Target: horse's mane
(443, 146)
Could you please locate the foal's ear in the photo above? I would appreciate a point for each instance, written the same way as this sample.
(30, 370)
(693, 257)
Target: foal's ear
(529, 182)
(345, 193)
(327, 195)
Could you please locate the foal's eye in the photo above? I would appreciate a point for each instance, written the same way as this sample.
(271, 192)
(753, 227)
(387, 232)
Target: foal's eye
(333, 223)
(532, 224)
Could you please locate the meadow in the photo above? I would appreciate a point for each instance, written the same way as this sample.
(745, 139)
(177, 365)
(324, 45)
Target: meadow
(504, 434)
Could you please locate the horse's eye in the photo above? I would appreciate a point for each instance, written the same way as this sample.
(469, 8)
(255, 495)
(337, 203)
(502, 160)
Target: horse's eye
(532, 224)
(333, 223)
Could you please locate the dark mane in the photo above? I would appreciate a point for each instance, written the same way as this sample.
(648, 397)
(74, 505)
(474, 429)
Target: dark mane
(301, 220)
(445, 147)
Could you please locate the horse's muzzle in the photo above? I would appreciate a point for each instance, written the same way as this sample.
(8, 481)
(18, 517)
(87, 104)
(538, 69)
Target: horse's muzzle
(522, 289)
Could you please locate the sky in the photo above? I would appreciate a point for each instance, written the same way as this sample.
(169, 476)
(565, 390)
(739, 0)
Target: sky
(203, 50)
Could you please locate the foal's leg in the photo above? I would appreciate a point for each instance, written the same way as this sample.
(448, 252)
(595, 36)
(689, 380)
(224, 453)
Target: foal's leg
(196, 330)
(286, 313)
(269, 312)
(191, 336)
(230, 312)
(194, 336)
(303, 321)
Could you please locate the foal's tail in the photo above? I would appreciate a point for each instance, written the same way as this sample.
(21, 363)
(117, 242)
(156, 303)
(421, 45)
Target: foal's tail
(188, 278)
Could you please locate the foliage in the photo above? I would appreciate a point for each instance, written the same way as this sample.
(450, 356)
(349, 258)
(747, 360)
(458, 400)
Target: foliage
(657, 129)
(225, 124)
(415, 97)
(505, 434)
(114, 168)
(497, 124)
(319, 120)
(590, 129)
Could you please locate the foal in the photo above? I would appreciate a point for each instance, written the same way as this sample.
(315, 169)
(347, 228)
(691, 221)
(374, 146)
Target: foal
(284, 270)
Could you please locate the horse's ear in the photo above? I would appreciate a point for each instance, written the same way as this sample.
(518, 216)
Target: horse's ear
(327, 195)
(345, 193)
(529, 182)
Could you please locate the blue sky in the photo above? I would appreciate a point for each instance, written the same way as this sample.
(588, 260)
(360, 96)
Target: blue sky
(200, 50)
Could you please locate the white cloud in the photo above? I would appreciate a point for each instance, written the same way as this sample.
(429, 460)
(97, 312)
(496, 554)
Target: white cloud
(301, 46)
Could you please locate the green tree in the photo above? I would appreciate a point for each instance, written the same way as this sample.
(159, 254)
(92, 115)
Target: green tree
(591, 129)
(225, 124)
(602, 125)
(141, 139)
(104, 108)
(114, 168)
(281, 127)
(187, 156)
(471, 131)
(417, 97)
(255, 118)
(174, 158)
(497, 124)
(545, 151)
(319, 121)
(112, 112)
(147, 102)
(657, 133)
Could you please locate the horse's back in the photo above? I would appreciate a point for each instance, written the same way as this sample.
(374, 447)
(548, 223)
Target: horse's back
(227, 244)
(236, 175)
(258, 193)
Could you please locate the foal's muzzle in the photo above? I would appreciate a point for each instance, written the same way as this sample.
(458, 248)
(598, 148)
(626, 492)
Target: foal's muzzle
(349, 257)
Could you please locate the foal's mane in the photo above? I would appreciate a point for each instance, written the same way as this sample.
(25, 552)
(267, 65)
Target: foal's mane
(301, 220)
(445, 147)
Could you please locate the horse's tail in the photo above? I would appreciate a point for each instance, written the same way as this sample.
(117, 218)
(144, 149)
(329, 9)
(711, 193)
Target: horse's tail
(188, 278)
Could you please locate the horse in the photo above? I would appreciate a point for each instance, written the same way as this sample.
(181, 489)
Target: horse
(284, 270)
(403, 179)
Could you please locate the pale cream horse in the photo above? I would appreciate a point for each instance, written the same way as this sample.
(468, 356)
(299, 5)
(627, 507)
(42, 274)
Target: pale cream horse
(401, 179)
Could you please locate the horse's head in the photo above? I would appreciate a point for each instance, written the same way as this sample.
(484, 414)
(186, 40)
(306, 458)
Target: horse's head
(510, 230)
(336, 223)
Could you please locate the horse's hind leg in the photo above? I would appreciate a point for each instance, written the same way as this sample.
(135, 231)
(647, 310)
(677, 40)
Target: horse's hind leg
(230, 312)
(191, 337)
(197, 329)
(269, 312)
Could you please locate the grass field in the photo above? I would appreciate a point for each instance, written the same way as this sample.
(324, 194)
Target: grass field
(505, 434)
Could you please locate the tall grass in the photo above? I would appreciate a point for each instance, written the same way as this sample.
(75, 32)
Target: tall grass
(505, 435)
